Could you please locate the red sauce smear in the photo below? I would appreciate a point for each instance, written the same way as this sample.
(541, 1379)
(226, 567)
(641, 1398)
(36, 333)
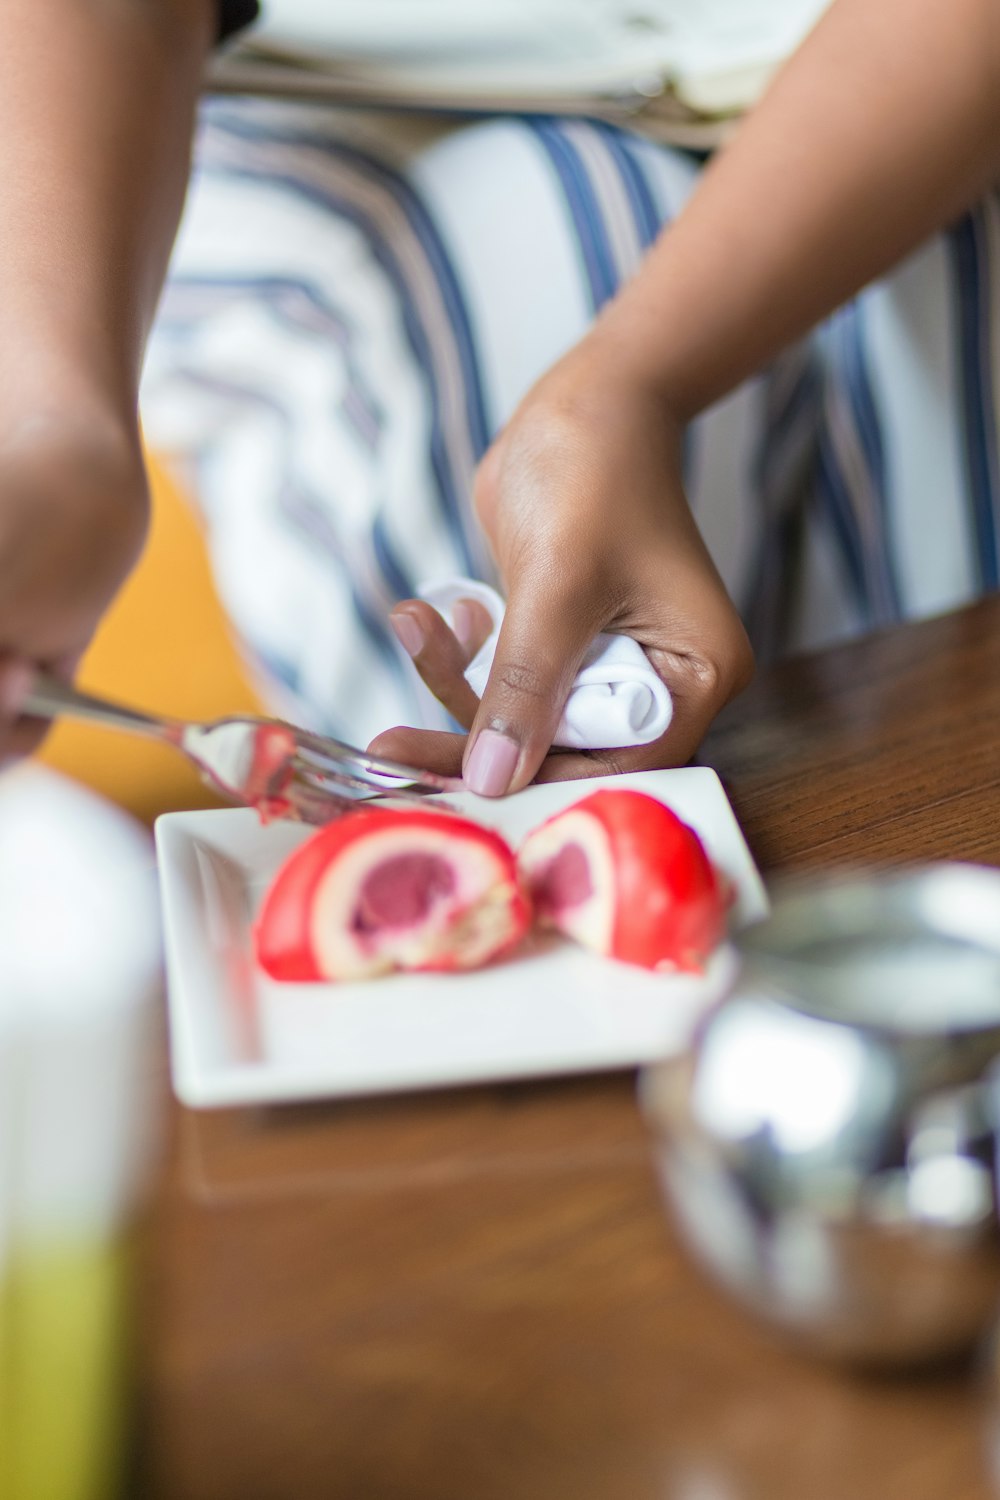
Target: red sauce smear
(270, 772)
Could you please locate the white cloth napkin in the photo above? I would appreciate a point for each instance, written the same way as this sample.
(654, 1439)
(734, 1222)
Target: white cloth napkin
(617, 699)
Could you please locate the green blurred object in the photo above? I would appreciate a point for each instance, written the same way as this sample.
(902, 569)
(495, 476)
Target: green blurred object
(63, 1343)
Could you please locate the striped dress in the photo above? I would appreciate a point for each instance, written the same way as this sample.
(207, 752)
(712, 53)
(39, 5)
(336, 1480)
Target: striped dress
(356, 305)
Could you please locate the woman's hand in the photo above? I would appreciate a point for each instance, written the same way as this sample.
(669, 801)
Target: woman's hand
(582, 500)
(73, 513)
(97, 107)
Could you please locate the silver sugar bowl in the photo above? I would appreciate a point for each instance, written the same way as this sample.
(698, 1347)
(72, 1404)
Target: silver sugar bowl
(828, 1144)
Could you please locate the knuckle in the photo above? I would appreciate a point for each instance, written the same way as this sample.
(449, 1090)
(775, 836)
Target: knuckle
(714, 677)
(611, 763)
(733, 669)
(523, 680)
(706, 676)
(694, 676)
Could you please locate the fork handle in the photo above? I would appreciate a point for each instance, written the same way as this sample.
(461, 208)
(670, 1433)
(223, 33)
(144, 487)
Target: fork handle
(50, 698)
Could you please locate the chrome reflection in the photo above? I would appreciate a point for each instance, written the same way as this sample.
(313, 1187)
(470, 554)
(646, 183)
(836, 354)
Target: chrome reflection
(829, 1144)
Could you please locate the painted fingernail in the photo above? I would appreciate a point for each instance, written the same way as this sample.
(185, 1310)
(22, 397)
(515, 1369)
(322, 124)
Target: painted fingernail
(491, 764)
(461, 621)
(408, 633)
(15, 685)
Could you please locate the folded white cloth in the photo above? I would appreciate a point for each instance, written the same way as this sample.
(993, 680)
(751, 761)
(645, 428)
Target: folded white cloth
(617, 700)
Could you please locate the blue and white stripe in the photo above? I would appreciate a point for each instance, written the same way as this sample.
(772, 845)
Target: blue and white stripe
(975, 245)
(356, 306)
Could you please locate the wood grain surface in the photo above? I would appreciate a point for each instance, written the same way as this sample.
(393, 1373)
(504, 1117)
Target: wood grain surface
(476, 1295)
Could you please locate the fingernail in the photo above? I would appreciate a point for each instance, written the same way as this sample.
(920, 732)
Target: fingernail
(491, 764)
(461, 621)
(15, 685)
(408, 633)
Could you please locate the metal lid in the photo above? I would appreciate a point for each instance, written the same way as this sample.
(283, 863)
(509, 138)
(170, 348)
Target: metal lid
(912, 951)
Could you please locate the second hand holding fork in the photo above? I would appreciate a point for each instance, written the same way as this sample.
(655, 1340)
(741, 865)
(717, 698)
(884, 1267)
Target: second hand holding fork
(280, 770)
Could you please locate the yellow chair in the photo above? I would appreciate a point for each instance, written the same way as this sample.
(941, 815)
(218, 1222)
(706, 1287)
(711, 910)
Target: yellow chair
(164, 646)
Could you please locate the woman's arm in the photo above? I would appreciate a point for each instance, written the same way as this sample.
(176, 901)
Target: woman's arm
(97, 102)
(881, 129)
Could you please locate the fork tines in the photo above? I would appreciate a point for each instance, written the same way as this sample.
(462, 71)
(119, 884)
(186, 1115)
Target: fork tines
(326, 763)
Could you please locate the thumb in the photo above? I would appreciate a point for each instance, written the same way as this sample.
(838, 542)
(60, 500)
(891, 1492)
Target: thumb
(542, 641)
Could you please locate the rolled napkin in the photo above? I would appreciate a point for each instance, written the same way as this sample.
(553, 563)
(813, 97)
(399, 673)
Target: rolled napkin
(617, 699)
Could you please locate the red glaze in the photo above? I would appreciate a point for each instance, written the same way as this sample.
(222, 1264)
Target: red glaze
(270, 771)
(669, 900)
(282, 936)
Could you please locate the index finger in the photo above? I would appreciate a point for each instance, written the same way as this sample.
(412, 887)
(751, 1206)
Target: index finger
(18, 736)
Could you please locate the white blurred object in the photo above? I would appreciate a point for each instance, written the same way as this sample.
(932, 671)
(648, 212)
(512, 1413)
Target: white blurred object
(79, 972)
(670, 64)
(80, 979)
(617, 698)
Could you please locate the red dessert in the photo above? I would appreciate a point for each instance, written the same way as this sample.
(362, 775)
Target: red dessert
(385, 889)
(621, 873)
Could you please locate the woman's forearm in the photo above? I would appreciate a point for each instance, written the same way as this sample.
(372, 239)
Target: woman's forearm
(97, 102)
(880, 130)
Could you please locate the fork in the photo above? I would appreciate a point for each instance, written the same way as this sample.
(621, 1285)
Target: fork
(280, 770)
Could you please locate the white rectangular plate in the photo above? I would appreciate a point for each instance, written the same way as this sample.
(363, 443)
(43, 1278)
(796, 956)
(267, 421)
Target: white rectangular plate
(237, 1037)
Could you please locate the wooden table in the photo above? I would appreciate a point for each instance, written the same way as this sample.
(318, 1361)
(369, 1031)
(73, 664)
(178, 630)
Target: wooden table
(476, 1295)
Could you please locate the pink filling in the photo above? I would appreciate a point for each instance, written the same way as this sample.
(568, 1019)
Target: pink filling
(564, 882)
(401, 891)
